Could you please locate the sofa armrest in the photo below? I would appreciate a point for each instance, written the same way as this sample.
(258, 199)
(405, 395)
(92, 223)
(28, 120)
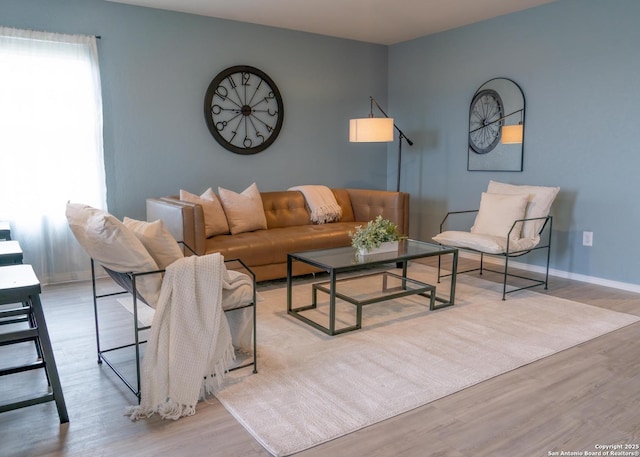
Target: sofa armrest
(367, 204)
(184, 220)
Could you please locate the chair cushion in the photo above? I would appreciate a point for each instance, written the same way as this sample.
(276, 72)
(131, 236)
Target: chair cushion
(540, 201)
(215, 220)
(155, 237)
(111, 244)
(497, 214)
(245, 212)
(484, 243)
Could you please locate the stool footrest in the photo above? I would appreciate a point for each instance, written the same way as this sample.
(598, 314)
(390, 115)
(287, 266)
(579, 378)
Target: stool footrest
(13, 321)
(26, 402)
(21, 368)
(20, 336)
(20, 311)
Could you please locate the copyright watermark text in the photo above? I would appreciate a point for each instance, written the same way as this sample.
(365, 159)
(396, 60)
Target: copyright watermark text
(607, 450)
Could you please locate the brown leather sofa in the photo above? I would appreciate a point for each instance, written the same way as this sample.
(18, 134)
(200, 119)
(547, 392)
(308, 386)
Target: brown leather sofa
(289, 228)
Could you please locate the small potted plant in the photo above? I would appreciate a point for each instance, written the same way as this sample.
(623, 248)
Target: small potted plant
(379, 235)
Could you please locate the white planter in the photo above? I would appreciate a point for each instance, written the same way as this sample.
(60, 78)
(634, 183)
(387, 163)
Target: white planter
(389, 246)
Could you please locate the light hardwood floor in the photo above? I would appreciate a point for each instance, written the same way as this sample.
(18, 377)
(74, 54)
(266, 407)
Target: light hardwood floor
(572, 401)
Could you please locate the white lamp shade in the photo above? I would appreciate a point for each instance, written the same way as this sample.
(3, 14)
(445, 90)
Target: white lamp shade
(512, 134)
(371, 130)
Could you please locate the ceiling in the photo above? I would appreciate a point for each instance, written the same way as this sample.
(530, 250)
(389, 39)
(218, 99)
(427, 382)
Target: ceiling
(375, 21)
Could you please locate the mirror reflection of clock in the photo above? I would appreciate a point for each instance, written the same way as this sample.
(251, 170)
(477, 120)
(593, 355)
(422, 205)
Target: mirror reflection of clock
(495, 138)
(243, 109)
(485, 121)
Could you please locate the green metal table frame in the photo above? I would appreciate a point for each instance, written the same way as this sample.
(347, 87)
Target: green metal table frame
(342, 260)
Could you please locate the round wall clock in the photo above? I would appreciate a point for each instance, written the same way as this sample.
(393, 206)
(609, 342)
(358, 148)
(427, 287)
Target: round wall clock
(243, 109)
(486, 116)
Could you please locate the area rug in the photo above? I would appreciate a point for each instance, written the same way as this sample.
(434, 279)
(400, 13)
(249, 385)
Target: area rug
(312, 388)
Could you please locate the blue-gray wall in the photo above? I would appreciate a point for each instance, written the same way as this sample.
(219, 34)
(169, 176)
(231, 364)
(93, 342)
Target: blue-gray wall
(577, 62)
(156, 66)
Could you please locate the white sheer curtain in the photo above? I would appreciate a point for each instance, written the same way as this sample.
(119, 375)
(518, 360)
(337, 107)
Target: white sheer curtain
(51, 148)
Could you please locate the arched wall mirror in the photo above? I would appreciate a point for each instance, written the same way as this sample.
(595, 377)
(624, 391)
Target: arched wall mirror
(496, 127)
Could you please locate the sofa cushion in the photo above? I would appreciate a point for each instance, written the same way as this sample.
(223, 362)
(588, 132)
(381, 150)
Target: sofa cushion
(343, 199)
(265, 247)
(285, 209)
(244, 211)
(310, 237)
(368, 204)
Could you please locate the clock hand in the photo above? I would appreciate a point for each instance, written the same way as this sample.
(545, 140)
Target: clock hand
(497, 120)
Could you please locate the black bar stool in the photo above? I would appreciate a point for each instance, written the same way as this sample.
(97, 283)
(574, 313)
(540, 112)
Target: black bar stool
(20, 286)
(10, 253)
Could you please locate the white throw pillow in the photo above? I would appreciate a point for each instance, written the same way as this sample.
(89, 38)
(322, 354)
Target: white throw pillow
(540, 201)
(497, 214)
(155, 237)
(215, 221)
(245, 212)
(111, 244)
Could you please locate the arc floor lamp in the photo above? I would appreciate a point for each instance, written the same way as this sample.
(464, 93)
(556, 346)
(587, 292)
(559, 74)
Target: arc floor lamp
(376, 129)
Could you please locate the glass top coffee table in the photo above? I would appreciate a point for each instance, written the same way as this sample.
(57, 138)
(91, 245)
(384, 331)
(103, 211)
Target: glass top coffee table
(340, 261)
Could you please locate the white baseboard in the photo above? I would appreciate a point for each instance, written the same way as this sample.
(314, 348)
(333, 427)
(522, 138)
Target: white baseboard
(557, 273)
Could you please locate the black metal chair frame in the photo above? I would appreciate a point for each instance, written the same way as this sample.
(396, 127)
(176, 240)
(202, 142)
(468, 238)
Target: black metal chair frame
(128, 282)
(545, 243)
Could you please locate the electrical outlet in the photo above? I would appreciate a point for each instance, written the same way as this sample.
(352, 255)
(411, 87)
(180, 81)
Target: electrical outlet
(587, 238)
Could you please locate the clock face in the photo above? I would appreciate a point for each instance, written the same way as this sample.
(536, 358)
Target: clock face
(486, 116)
(243, 109)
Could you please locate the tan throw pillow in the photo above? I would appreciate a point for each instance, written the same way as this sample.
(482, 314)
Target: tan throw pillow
(111, 244)
(497, 214)
(245, 212)
(161, 244)
(215, 221)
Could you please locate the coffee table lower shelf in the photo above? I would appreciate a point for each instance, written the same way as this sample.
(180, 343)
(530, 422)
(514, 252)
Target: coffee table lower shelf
(406, 287)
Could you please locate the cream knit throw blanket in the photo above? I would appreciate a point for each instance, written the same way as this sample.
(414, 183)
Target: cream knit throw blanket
(322, 203)
(189, 346)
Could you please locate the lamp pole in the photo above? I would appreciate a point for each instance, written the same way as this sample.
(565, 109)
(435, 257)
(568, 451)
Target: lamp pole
(401, 137)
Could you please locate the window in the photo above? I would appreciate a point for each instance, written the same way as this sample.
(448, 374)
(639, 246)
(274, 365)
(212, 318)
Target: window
(51, 148)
